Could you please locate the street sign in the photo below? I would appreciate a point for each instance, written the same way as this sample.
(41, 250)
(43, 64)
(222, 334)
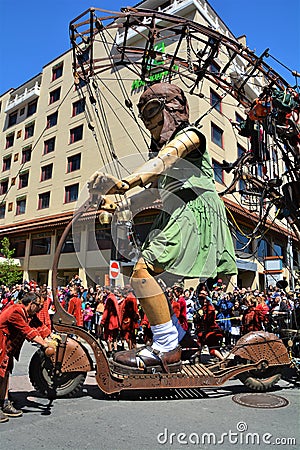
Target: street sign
(114, 269)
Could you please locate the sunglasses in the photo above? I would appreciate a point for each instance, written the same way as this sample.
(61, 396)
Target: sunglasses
(151, 109)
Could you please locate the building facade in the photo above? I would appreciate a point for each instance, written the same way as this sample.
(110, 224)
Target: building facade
(53, 139)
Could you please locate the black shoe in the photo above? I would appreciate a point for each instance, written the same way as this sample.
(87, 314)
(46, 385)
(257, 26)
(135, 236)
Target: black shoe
(3, 417)
(10, 411)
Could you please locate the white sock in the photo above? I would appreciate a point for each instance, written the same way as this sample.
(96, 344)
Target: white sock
(165, 336)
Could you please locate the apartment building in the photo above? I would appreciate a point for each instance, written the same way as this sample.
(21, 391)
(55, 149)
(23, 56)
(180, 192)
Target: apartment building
(53, 138)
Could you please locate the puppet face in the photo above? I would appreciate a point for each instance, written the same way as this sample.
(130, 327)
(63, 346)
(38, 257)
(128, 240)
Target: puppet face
(163, 107)
(152, 116)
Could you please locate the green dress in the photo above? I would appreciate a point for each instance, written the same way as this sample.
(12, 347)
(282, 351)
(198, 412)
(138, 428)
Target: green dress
(190, 237)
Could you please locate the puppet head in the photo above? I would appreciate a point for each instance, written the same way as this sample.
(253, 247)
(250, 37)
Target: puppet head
(163, 105)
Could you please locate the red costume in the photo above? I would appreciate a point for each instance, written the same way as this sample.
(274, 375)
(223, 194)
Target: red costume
(147, 332)
(209, 333)
(264, 309)
(111, 320)
(129, 317)
(176, 307)
(43, 314)
(252, 320)
(182, 313)
(15, 327)
(75, 308)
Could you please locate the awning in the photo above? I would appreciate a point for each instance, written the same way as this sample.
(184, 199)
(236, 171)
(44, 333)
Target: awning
(243, 264)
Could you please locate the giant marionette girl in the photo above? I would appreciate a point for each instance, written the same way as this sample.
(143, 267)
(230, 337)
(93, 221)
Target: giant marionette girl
(190, 237)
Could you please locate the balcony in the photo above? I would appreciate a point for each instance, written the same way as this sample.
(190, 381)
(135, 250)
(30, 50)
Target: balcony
(20, 100)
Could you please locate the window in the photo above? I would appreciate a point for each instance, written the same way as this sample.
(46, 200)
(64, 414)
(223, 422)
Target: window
(218, 172)
(81, 83)
(54, 96)
(278, 250)
(71, 193)
(215, 100)
(74, 163)
(217, 135)
(40, 246)
(57, 72)
(44, 200)
(29, 130)
(6, 163)
(78, 107)
(49, 146)
(12, 119)
(71, 244)
(2, 210)
(32, 108)
(214, 68)
(23, 180)
(21, 206)
(262, 249)
(238, 118)
(46, 173)
(26, 154)
(76, 134)
(260, 170)
(19, 246)
(52, 120)
(242, 241)
(3, 186)
(10, 140)
(99, 239)
(84, 56)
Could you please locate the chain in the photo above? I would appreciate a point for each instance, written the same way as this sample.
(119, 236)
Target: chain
(188, 51)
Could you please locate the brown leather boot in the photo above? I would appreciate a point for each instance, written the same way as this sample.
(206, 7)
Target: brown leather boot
(133, 361)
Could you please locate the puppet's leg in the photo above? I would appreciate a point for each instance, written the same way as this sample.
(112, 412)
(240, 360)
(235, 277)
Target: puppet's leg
(165, 353)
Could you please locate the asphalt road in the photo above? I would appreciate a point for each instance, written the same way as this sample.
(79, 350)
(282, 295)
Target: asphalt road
(206, 418)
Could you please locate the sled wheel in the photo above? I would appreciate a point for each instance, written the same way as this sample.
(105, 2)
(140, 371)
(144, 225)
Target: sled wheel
(261, 380)
(69, 384)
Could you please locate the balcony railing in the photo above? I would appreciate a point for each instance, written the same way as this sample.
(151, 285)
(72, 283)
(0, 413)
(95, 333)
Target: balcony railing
(22, 99)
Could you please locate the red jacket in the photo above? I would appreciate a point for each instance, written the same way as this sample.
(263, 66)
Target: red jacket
(111, 319)
(43, 314)
(252, 320)
(15, 327)
(182, 316)
(75, 308)
(129, 313)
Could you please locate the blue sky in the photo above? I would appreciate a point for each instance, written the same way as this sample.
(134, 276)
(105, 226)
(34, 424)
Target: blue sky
(35, 32)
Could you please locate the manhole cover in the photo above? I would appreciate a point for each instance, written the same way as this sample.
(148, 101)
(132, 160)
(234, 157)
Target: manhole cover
(260, 400)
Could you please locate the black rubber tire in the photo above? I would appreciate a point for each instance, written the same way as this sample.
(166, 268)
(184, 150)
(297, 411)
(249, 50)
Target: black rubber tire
(69, 384)
(261, 380)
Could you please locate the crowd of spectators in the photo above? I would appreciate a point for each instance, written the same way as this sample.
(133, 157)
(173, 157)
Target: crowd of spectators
(217, 317)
